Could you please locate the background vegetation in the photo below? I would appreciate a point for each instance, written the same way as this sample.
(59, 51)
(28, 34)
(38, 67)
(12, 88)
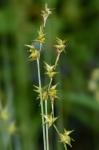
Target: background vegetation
(77, 21)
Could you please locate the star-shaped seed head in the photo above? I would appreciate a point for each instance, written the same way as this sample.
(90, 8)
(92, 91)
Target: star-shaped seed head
(49, 119)
(41, 36)
(34, 53)
(65, 137)
(43, 91)
(53, 92)
(45, 13)
(60, 45)
(50, 70)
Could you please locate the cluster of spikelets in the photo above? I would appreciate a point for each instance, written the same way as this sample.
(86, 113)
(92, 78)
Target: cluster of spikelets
(48, 92)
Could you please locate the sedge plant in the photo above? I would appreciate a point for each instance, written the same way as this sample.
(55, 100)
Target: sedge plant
(48, 92)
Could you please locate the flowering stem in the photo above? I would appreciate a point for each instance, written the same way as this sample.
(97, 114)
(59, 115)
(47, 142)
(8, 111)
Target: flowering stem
(50, 83)
(46, 113)
(52, 104)
(56, 62)
(41, 103)
(56, 129)
(57, 59)
(65, 146)
(59, 135)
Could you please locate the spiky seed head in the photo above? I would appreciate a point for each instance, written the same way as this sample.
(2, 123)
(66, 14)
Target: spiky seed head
(50, 70)
(34, 53)
(44, 92)
(53, 92)
(65, 137)
(45, 95)
(45, 13)
(41, 36)
(60, 45)
(49, 119)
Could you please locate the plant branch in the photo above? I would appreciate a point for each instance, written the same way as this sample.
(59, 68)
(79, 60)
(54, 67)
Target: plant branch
(41, 103)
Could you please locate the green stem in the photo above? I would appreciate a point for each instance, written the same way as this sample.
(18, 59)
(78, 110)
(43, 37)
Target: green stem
(46, 125)
(50, 83)
(65, 146)
(56, 62)
(56, 129)
(41, 103)
(57, 59)
(47, 137)
(52, 104)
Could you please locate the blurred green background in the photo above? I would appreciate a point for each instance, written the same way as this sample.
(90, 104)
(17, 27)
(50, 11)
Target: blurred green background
(77, 21)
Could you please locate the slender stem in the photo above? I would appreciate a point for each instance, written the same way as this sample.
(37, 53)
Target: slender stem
(41, 103)
(46, 125)
(65, 146)
(59, 135)
(40, 47)
(56, 62)
(57, 59)
(52, 104)
(47, 137)
(46, 112)
(56, 129)
(50, 83)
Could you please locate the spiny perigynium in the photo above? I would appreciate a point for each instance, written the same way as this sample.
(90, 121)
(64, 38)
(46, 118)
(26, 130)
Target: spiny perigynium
(47, 92)
(65, 137)
(45, 14)
(34, 53)
(44, 92)
(50, 70)
(41, 36)
(45, 95)
(60, 45)
(52, 92)
(49, 119)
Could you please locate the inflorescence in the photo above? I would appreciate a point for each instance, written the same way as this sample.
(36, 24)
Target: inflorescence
(49, 92)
